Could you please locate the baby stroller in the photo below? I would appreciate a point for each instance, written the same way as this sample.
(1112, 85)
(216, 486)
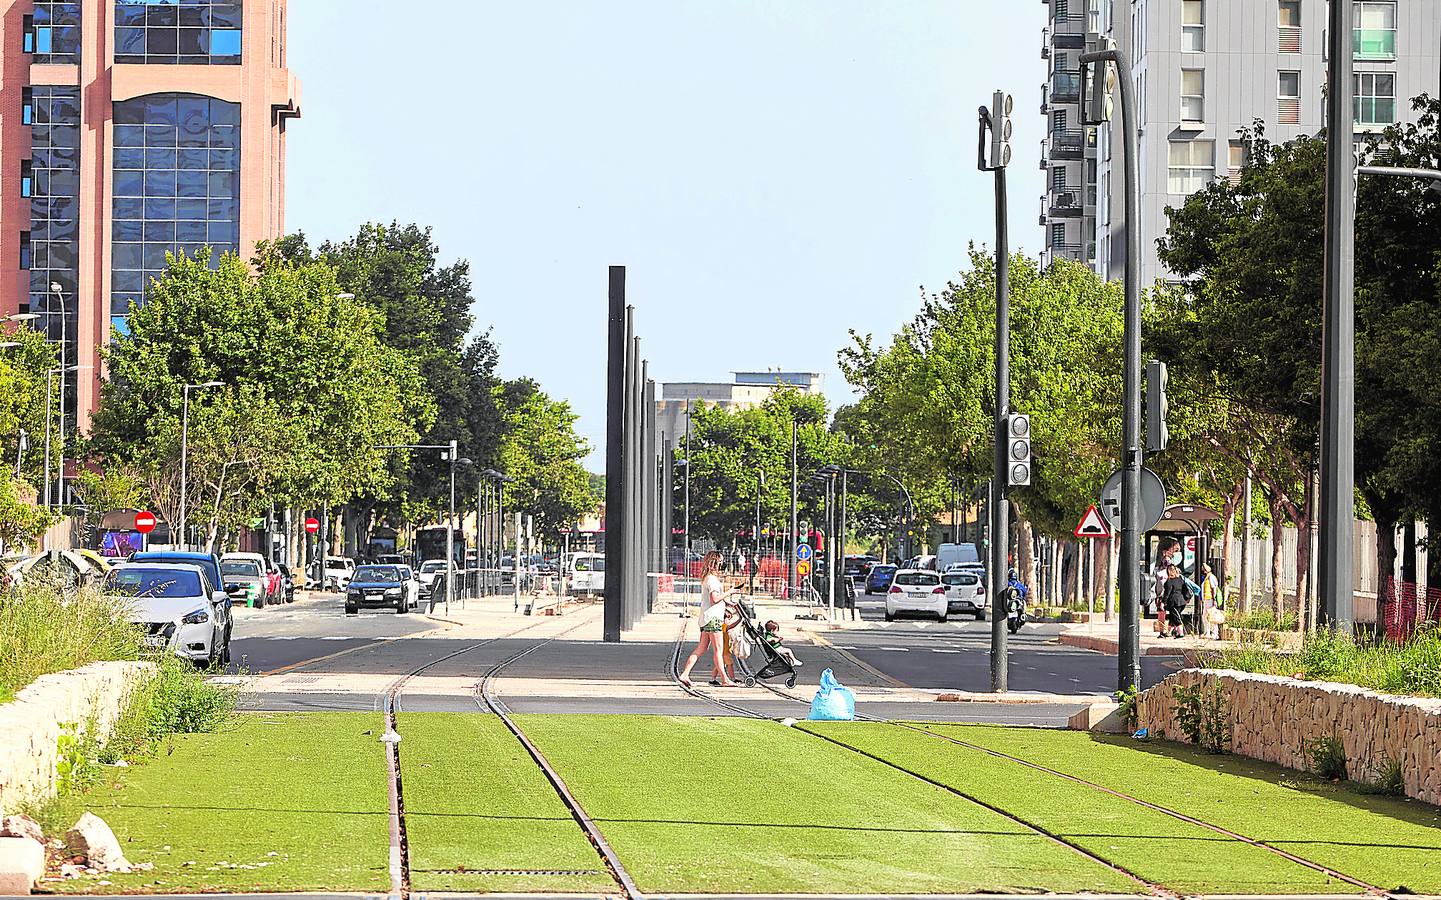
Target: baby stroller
(775, 665)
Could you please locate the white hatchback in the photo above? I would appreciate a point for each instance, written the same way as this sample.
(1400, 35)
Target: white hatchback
(965, 592)
(917, 591)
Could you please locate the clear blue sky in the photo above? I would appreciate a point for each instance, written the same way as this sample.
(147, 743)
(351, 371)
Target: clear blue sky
(772, 172)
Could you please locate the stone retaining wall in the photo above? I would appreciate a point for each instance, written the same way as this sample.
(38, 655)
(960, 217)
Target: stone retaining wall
(31, 724)
(1278, 719)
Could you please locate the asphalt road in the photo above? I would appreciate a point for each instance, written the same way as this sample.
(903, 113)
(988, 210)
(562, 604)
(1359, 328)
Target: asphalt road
(956, 655)
(315, 625)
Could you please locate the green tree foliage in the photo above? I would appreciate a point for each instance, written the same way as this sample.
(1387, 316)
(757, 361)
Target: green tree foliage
(426, 314)
(22, 522)
(310, 389)
(542, 455)
(22, 397)
(926, 410)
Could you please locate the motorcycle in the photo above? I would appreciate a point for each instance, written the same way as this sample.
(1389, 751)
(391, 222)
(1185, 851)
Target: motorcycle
(1015, 599)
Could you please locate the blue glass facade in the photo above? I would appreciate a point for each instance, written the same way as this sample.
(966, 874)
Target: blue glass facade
(176, 32)
(53, 242)
(176, 187)
(54, 35)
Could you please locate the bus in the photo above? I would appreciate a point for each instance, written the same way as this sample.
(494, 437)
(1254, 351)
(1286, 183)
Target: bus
(430, 544)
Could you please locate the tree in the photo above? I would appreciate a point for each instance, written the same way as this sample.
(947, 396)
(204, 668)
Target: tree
(307, 376)
(23, 371)
(542, 455)
(21, 521)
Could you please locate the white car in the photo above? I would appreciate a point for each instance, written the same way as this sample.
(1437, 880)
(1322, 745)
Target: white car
(429, 571)
(587, 574)
(965, 592)
(174, 603)
(338, 570)
(917, 591)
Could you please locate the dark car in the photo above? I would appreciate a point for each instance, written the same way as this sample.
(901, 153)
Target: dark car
(393, 586)
(879, 579)
(856, 568)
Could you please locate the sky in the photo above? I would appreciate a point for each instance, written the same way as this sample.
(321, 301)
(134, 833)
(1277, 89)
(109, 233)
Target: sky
(772, 173)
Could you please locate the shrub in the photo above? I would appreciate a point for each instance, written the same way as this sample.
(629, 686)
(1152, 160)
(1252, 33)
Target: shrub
(1263, 618)
(1203, 717)
(47, 627)
(1387, 779)
(1126, 703)
(1328, 759)
(175, 700)
(1409, 668)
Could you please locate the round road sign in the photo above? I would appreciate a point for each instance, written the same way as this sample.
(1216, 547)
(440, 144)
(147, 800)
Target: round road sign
(803, 568)
(145, 522)
(803, 552)
(312, 526)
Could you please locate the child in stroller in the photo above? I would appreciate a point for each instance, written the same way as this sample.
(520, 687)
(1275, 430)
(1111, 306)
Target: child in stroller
(776, 642)
(779, 661)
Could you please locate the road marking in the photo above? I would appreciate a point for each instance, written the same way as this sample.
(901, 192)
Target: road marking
(939, 650)
(896, 649)
(858, 662)
(348, 650)
(923, 624)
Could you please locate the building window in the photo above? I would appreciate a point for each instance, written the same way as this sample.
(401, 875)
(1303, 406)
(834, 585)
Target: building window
(1058, 178)
(27, 106)
(25, 257)
(1288, 98)
(53, 32)
(176, 32)
(1193, 95)
(54, 206)
(1192, 164)
(1193, 26)
(27, 178)
(1373, 34)
(1235, 160)
(176, 187)
(1375, 98)
(1289, 25)
(1058, 235)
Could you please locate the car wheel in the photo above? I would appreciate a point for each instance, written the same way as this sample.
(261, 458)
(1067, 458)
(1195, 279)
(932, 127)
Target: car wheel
(351, 609)
(980, 615)
(259, 602)
(890, 616)
(942, 617)
(401, 606)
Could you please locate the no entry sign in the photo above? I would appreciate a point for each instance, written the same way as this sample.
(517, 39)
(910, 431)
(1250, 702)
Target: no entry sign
(312, 526)
(144, 522)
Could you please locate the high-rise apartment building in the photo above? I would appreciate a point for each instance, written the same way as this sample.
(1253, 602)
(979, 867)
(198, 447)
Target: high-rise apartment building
(1202, 71)
(129, 129)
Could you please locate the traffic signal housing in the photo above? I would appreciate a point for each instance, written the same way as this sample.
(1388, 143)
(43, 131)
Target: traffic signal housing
(1018, 449)
(1156, 407)
(997, 122)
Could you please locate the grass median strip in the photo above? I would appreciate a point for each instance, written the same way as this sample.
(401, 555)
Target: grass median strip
(1384, 841)
(1156, 847)
(277, 802)
(481, 817)
(735, 805)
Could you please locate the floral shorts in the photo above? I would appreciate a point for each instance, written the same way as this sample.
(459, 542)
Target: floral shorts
(714, 626)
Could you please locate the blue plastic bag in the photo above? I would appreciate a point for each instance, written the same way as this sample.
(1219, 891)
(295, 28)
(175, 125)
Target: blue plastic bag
(834, 702)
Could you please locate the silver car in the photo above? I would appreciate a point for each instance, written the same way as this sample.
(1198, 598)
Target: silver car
(179, 612)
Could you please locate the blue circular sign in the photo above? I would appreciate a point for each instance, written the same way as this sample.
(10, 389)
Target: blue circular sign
(803, 552)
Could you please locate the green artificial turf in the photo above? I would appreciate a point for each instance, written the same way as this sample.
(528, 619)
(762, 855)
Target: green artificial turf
(1161, 849)
(293, 802)
(737, 805)
(1384, 841)
(474, 799)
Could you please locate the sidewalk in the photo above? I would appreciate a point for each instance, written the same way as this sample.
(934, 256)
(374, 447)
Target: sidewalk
(1103, 637)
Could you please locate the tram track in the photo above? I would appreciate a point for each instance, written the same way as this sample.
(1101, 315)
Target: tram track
(1154, 889)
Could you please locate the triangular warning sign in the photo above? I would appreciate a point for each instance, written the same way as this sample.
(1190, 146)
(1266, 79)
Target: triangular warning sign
(1092, 525)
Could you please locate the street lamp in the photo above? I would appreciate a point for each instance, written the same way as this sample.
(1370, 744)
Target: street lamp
(185, 452)
(450, 454)
(685, 524)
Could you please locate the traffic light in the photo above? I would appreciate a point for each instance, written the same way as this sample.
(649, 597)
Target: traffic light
(1156, 404)
(1001, 104)
(1018, 449)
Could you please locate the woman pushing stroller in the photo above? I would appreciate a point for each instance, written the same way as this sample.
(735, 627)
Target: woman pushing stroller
(713, 617)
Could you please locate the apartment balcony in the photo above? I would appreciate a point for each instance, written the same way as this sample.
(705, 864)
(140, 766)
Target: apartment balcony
(1066, 87)
(1065, 204)
(1068, 23)
(1045, 99)
(1068, 143)
(1045, 43)
(1068, 251)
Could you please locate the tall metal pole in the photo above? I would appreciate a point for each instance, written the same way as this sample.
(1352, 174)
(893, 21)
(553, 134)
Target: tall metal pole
(685, 541)
(1129, 657)
(999, 511)
(450, 533)
(49, 403)
(479, 532)
(615, 486)
(1245, 604)
(841, 530)
(830, 549)
(756, 534)
(184, 463)
(795, 523)
(1338, 339)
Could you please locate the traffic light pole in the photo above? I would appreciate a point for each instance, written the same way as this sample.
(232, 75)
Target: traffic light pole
(1128, 659)
(994, 120)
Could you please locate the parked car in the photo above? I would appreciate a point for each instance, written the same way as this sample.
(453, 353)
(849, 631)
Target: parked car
(209, 564)
(948, 555)
(587, 574)
(246, 581)
(338, 571)
(917, 591)
(394, 586)
(878, 579)
(180, 613)
(274, 584)
(965, 593)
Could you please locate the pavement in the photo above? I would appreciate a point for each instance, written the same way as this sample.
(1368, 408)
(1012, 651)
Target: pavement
(309, 655)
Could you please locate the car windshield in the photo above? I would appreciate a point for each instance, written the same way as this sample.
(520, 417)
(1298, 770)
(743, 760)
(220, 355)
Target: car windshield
(433, 565)
(920, 579)
(137, 582)
(961, 578)
(240, 567)
(377, 575)
(590, 564)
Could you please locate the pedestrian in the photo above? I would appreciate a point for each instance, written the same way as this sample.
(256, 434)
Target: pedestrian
(1173, 601)
(1212, 617)
(712, 622)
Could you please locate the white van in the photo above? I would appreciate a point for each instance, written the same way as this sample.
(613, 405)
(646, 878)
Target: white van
(587, 573)
(951, 555)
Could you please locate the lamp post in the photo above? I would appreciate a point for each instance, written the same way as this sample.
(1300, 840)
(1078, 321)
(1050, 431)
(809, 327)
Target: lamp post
(685, 526)
(450, 454)
(56, 292)
(833, 538)
(756, 534)
(184, 453)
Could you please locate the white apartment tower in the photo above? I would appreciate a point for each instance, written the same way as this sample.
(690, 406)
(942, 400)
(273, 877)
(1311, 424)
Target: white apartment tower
(1202, 71)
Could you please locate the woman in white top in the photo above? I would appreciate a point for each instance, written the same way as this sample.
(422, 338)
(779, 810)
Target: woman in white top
(712, 621)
